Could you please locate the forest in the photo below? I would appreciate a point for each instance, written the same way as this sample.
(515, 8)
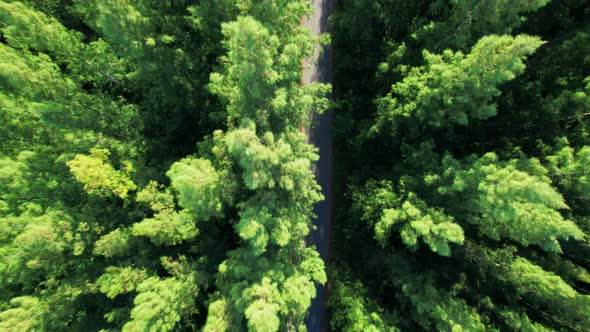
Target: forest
(156, 174)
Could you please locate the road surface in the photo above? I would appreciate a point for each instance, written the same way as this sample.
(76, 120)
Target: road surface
(319, 69)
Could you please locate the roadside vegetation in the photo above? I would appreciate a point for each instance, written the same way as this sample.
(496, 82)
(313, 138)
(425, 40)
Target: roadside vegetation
(152, 172)
(463, 155)
(154, 176)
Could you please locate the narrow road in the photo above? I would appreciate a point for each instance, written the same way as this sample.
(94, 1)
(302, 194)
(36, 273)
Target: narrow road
(319, 69)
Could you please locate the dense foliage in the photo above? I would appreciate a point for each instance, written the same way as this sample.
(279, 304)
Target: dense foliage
(152, 172)
(463, 170)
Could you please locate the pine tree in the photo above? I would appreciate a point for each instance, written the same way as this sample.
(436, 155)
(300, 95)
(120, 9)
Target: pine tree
(82, 220)
(453, 88)
(462, 147)
(267, 282)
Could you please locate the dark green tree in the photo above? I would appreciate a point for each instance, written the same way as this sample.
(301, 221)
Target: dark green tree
(462, 142)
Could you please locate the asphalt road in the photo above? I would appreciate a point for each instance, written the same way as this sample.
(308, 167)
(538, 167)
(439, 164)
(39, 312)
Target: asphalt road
(319, 69)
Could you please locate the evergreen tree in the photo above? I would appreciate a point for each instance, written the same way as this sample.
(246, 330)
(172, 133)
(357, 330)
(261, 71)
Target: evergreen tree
(81, 221)
(267, 282)
(154, 175)
(464, 204)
